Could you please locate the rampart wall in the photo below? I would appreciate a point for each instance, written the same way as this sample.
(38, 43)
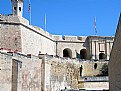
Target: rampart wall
(92, 68)
(61, 73)
(20, 72)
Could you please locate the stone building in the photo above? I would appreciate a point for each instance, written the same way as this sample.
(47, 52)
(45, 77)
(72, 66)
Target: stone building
(30, 39)
(115, 60)
(39, 61)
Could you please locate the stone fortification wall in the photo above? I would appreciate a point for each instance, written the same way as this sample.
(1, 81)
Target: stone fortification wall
(19, 35)
(31, 39)
(31, 72)
(20, 72)
(33, 42)
(73, 43)
(43, 73)
(13, 19)
(92, 68)
(115, 61)
(10, 36)
(5, 72)
(74, 48)
(61, 73)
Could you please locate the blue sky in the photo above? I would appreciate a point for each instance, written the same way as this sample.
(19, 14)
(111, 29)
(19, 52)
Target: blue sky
(72, 17)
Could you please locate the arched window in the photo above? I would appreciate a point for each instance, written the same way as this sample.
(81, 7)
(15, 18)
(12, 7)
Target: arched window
(101, 56)
(83, 54)
(67, 53)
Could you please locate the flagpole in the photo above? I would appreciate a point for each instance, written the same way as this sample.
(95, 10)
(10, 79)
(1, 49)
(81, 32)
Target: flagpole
(95, 26)
(45, 22)
(29, 10)
(30, 15)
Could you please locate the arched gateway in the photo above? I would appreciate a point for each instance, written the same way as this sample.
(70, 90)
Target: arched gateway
(67, 53)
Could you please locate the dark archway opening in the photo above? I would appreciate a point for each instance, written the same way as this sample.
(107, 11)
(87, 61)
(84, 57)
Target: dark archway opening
(95, 66)
(83, 54)
(67, 53)
(101, 56)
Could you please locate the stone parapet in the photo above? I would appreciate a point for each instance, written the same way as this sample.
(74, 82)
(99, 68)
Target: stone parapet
(70, 38)
(12, 19)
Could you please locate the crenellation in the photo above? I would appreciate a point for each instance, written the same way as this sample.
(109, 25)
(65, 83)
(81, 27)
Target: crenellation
(70, 38)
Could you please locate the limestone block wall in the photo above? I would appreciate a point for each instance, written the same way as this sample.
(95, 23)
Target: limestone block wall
(5, 72)
(17, 34)
(27, 72)
(61, 73)
(13, 19)
(73, 43)
(10, 36)
(96, 85)
(20, 72)
(31, 72)
(16, 75)
(89, 69)
(33, 42)
(74, 47)
(115, 61)
(94, 45)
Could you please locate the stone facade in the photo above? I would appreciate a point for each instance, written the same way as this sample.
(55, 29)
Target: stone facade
(115, 60)
(31, 59)
(21, 72)
(5, 72)
(33, 40)
(89, 69)
(45, 72)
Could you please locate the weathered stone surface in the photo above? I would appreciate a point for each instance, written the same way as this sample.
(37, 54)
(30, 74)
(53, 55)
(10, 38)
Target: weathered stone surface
(63, 73)
(22, 72)
(115, 60)
(88, 67)
(5, 72)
